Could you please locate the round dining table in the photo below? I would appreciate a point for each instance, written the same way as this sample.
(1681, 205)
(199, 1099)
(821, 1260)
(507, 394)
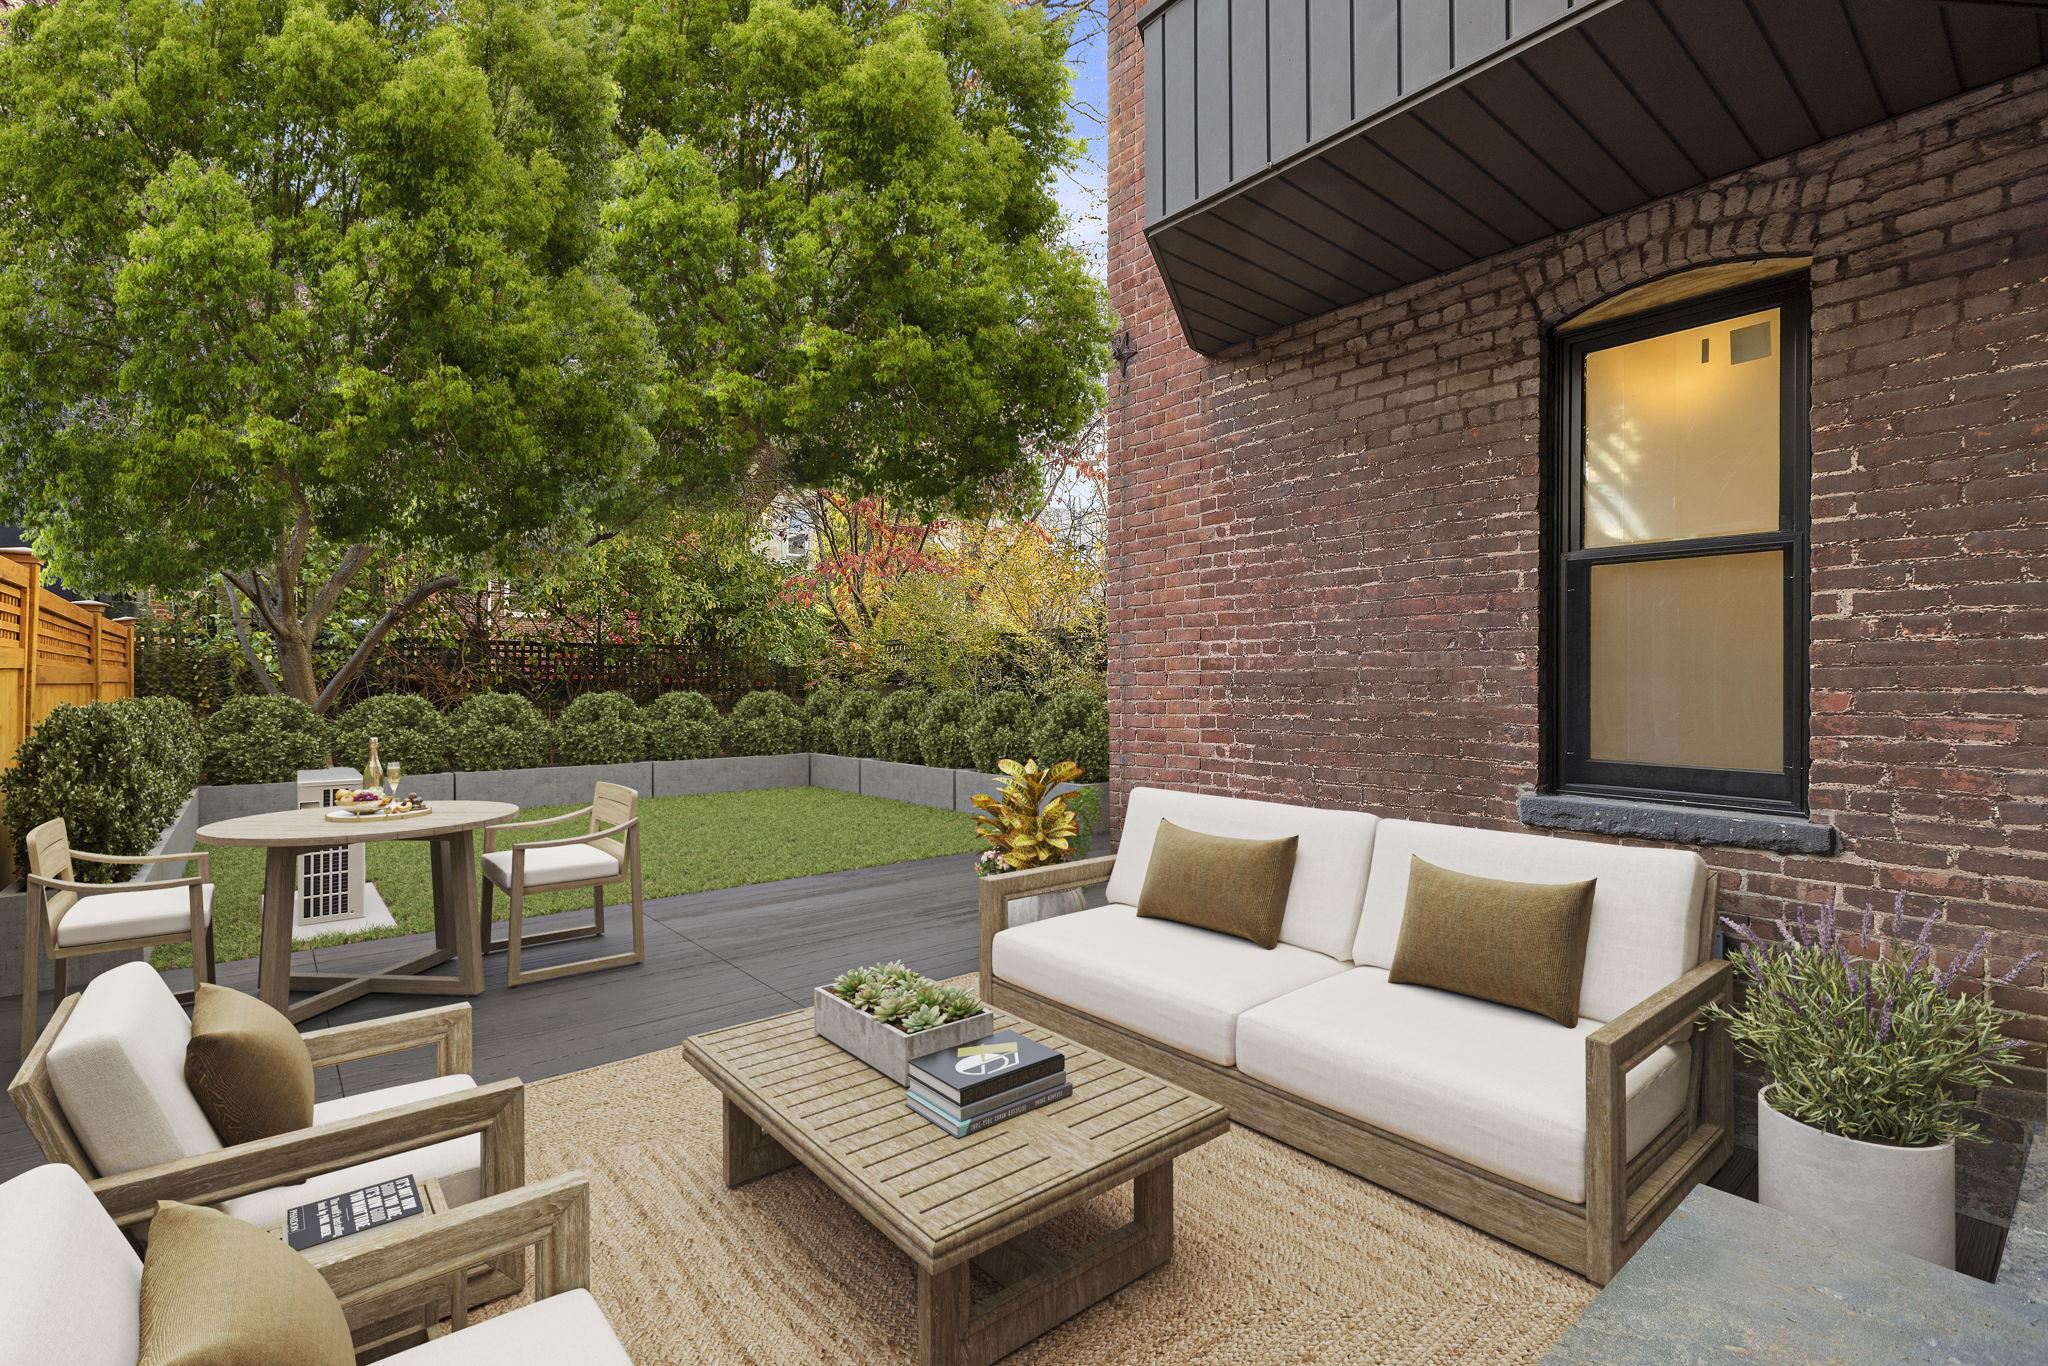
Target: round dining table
(449, 828)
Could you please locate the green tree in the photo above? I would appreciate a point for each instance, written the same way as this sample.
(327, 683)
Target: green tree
(288, 287)
(838, 218)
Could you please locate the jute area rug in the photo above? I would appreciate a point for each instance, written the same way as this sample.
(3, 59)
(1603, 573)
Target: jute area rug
(1277, 1257)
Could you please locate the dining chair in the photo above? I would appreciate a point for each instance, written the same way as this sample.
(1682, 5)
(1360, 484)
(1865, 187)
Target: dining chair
(605, 854)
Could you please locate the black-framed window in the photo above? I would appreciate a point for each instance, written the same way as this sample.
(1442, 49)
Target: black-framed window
(1678, 477)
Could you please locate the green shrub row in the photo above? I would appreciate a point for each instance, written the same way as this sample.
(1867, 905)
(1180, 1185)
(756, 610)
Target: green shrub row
(116, 772)
(960, 730)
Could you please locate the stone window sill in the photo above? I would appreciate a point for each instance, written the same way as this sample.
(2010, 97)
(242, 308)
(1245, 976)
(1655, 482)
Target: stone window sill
(1681, 824)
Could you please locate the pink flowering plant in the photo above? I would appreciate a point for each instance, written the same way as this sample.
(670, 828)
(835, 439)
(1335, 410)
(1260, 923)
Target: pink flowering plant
(1887, 1049)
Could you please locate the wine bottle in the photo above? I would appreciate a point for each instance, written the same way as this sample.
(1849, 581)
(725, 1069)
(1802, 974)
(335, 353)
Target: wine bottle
(373, 776)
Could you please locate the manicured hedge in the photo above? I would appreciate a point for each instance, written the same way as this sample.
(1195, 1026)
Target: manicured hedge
(943, 739)
(764, 723)
(601, 728)
(1073, 726)
(849, 733)
(1000, 729)
(265, 740)
(497, 730)
(407, 728)
(115, 772)
(682, 725)
(896, 727)
(818, 709)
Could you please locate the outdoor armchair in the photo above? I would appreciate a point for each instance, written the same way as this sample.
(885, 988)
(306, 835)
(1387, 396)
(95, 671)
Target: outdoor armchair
(608, 852)
(71, 1286)
(71, 919)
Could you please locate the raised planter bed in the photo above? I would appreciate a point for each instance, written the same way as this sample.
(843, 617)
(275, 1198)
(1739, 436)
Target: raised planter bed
(835, 771)
(734, 773)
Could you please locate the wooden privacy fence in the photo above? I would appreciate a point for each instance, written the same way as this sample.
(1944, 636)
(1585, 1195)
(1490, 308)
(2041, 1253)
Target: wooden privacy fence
(53, 651)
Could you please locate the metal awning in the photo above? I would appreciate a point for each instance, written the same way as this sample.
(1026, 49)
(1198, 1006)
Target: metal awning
(1301, 155)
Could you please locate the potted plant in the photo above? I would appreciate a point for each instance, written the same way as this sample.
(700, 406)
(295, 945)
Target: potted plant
(887, 1015)
(1873, 1063)
(1025, 829)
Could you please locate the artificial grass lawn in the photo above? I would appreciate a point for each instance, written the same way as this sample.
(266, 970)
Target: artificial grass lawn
(687, 844)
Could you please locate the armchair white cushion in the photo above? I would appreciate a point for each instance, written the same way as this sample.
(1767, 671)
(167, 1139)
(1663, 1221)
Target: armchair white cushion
(70, 1285)
(144, 913)
(1175, 983)
(1330, 861)
(118, 1069)
(556, 1331)
(545, 867)
(1499, 1088)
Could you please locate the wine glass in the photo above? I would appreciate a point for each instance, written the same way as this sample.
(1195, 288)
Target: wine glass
(393, 775)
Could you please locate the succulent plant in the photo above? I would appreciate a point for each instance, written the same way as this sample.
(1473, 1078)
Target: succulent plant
(924, 1017)
(903, 996)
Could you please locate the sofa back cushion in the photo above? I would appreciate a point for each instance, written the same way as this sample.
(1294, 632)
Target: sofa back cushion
(1330, 859)
(70, 1284)
(118, 1069)
(1647, 903)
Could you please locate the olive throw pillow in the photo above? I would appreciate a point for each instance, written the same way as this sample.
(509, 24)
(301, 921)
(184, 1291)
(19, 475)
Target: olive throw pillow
(247, 1067)
(219, 1292)
(1232, 886)
(1521, 944)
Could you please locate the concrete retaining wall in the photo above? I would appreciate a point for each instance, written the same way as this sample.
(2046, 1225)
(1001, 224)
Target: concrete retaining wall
(561, 785)
(835, 771)
(737, 773)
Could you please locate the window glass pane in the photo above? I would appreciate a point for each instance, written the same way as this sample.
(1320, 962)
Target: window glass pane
(1688, 662)
(1682, 434)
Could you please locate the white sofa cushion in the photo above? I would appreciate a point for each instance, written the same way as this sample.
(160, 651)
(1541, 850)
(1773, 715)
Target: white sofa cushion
(1496, 1087)
(1647, 903)
(1180, 985)
(144, 913)
(457, 1164)
(119, 1072)
(70, 1285)
(547, 867)
(1330, 861)
(559, 1330)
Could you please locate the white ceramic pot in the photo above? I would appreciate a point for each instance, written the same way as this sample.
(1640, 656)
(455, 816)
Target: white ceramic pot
(1901, 1198)
(1026, 909)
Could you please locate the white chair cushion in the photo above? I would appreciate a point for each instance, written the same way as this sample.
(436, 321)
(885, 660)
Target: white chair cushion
(145, 913)
(70, 1285)
(1330, 862)
(1499, 1088)
(119, 1072)
(456, 1164)
(1167, 981)
(556, 1331)
(545, 867)
(1647, 903)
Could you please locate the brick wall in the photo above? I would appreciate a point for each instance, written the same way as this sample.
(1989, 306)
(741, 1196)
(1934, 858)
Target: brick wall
(1324, 563)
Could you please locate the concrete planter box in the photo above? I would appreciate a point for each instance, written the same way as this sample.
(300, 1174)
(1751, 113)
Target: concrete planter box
(907, 783)
(176, 838)
(835, 771)
(738, 773)
(562, 785)
(1871, 1193)
(884, 1047)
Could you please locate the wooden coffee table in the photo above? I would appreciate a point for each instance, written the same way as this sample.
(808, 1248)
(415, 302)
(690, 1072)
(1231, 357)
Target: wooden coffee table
(950, 1203)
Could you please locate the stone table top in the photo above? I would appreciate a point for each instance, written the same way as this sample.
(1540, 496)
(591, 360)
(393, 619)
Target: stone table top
(1727, 1280)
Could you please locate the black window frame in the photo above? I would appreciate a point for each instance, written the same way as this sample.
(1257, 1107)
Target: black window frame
(1568, 564)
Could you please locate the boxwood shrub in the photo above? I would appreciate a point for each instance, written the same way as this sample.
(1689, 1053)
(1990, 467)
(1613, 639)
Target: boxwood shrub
(1001, 729)
(497, 730)
(849, 732)
(818, 708)
(1073, 725)
(264, 740)
(682, 725)
(943, 734)
(115, 772)
(764, 723)
(896, 726)
(407, 728)
(601, 728)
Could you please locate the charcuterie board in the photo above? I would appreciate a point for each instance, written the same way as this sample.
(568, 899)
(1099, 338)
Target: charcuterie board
(381, 814)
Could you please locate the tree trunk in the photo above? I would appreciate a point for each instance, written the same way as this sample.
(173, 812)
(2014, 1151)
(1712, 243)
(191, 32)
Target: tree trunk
(295, 628)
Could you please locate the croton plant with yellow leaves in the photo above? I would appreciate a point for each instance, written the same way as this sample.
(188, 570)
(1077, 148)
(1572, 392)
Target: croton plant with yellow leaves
(1023, 829)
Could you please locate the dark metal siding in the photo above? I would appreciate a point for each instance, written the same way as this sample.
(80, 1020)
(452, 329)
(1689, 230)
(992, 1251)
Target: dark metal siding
(1303, 154)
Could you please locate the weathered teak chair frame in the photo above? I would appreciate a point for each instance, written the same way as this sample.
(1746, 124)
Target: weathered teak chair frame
(1625, 1200)
(50, 857)
(614, 828)
(496, 1112)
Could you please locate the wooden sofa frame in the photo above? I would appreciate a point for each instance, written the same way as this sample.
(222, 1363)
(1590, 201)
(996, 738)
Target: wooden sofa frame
(497, 1113)
(1625, 1200)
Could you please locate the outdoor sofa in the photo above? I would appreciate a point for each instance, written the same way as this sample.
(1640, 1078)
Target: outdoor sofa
(1573, 1143)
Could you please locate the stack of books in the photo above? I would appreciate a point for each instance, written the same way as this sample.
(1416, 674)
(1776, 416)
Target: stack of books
(970, 1087)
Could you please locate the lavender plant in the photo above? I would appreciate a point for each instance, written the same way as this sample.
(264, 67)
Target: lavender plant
(1883, 1049)
(903, 997)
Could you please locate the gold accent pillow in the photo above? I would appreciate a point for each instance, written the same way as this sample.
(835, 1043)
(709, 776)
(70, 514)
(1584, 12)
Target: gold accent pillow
(247, 1067)
(1232, 886)
(219, 1292)
(1520, 944)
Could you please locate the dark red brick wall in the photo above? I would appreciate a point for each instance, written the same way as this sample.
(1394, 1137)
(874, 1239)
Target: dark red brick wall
(1324, 565)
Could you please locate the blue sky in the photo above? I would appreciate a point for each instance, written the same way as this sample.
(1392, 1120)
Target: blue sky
(1081, 192)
